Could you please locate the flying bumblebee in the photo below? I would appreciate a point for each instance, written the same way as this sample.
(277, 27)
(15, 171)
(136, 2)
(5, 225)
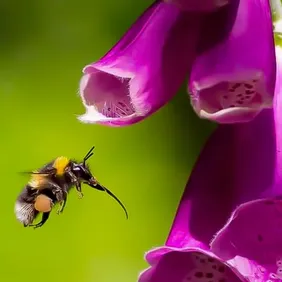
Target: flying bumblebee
(50, 185)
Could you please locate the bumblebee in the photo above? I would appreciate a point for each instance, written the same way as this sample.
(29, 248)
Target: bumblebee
(51, 184)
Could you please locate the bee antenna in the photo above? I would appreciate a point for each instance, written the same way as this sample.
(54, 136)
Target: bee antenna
(88, 155)
(116, 198)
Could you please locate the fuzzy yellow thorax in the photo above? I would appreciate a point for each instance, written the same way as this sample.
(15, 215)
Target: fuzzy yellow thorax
(60, 165)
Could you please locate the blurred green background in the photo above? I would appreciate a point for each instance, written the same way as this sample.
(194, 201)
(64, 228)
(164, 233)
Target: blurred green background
(44, 46)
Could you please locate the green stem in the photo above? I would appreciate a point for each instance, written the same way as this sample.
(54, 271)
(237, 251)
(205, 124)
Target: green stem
(276, 7)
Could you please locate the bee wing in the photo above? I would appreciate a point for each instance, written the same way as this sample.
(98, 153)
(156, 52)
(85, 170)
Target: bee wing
(39, 180)
(25, 212)
(45, 173)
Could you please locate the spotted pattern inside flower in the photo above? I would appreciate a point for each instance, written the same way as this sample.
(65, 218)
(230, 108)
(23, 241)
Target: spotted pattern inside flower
(275, 276)
(116, 109)
(109, 95)
(208, 269)
(240, 94)
(231, 102)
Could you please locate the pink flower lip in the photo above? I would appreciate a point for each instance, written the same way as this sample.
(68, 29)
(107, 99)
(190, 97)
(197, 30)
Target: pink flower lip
(170, 264)
(226, 101)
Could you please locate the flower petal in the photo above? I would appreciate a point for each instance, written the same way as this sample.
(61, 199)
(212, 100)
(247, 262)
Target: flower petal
(199, 5)
(154, 255)
(188, 264)
(235, 158)
(144, 70)
(278, 117)
(254, 231)
(235, 166)
(232, 82)
(252, 271)
(255, 228)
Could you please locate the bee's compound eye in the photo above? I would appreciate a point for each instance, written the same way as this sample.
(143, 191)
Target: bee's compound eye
(76, 168)
(43, 203)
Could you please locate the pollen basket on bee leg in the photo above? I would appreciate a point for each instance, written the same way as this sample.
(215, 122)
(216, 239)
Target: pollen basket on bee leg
(60, 165)
(43, 203)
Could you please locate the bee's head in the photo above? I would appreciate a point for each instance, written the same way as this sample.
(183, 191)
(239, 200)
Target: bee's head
(82, 171)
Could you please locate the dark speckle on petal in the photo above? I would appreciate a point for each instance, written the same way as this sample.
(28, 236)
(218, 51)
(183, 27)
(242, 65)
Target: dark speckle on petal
(199, 274)
(221, 269)
(209, 275)
(249, 86)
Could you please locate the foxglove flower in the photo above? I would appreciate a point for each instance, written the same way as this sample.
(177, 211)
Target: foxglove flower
(239, 173)
(234, 80)
(144, 70)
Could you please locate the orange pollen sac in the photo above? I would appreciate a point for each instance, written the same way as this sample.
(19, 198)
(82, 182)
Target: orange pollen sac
(43, 203)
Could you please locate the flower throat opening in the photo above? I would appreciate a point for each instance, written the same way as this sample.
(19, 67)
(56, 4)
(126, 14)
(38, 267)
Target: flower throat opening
(108, 94)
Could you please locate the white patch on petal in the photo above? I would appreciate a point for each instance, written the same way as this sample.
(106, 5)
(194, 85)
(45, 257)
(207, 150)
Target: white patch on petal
(257, 273)
(93, 116)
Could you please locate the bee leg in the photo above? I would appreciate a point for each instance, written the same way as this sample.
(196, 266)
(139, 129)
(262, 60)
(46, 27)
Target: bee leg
(45, 217)
(78, 189)
(76, 183)
(62, 205)
(57, 190)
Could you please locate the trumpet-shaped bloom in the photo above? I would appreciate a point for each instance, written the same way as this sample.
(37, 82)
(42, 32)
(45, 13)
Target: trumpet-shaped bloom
(234, 80)
(144, 70)
(228, 224)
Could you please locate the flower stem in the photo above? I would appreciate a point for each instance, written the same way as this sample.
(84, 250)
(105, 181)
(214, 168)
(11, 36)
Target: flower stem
(276, 7)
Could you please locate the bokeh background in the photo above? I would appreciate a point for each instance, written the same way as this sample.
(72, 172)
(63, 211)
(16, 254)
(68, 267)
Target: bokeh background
(44, 46)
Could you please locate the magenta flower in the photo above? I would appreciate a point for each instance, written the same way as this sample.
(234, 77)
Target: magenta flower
(199, 5)
(144, 70)
(233, 81)
(237, 179)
